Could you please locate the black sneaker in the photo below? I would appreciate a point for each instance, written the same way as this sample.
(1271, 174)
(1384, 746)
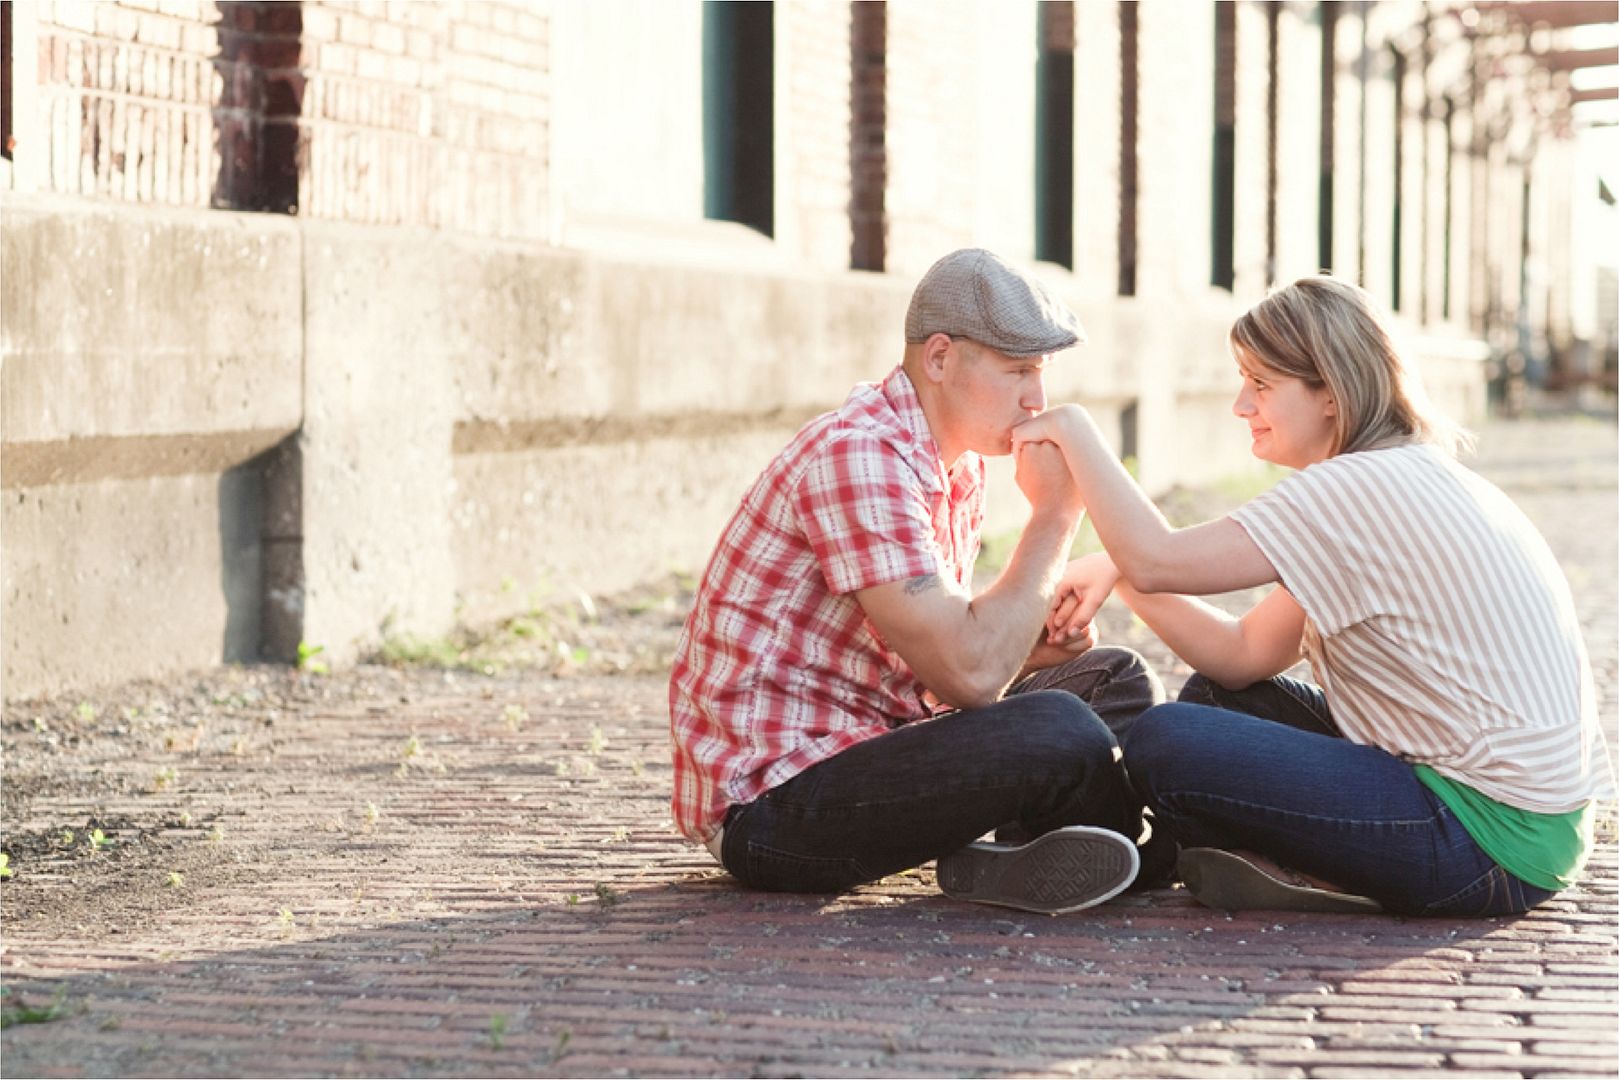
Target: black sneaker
(1063, 870)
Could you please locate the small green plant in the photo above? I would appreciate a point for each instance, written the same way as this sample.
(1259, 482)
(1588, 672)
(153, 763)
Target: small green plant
(413, 748)
(185, 819)
(572, 899)
(307, 658)
(372, 813)
(563, 1038)
(175, 880)
(598, 741)
(286, 919)
(620, 835)
(216, 835)
(605, 896)
(5, 865)
(23, 1013)
(515, 716)
(87, 711)
(99, 840)
(67, 838)
(39, 724)
(497, 1031)
(637, 766)
(165, 778)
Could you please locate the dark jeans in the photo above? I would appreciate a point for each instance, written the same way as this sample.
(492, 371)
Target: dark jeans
(1265, 769)
(1041, 758)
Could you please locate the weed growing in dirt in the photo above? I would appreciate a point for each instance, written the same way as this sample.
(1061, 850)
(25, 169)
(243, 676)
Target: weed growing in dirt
(87, 712)
(598, 741)
(165, 779)
(307, 661)
(23, 1013)
(515, 716)
(67, 838)
(372, 813)
(497, 1031)
(99, 840)
(216, 835)
(5, 865)
(176, 879)
(605, 896)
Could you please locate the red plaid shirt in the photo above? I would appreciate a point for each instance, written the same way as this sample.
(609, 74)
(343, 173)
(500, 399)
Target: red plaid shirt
(778, 668)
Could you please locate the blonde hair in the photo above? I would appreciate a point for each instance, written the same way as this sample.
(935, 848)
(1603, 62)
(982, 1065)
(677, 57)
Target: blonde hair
(1329, 333)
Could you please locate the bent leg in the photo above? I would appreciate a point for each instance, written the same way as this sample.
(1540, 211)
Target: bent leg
(1115, 682)
(1285, 700)
(1040, 759)
(1351, 814)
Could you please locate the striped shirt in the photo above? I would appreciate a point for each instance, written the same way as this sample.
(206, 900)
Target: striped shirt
(778, 667)
(1438, 623)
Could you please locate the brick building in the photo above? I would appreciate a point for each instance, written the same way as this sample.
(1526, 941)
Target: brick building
(326, 321)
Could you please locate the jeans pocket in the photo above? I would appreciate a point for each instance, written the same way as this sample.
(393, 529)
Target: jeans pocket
(772, 870)
(1495, 892)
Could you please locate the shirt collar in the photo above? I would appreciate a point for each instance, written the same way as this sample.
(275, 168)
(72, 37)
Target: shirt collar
(902, 398)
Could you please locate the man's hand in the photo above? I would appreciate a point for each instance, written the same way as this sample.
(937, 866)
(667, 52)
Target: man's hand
(1043, 476)
(1084, 586)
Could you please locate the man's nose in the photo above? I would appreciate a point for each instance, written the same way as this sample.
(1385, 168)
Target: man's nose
(1034, 397)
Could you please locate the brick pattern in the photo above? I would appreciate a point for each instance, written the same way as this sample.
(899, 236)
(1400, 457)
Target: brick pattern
(127, 94)
(932, 126)
(432, 114)
(817, 98)
(426, 114)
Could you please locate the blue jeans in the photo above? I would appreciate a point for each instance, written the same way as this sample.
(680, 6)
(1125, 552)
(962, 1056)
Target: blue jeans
(1265, 769)
(1042, 757)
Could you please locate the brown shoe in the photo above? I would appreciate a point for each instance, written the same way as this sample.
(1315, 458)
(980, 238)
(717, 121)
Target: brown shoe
(1224, 879)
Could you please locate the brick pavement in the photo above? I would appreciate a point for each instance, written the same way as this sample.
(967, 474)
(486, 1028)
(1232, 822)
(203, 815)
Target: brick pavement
(411, 872)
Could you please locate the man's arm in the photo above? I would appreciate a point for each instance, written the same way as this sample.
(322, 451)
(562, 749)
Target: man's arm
(968, 649)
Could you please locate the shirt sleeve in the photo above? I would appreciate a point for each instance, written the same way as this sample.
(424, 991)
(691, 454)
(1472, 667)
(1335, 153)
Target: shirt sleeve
(865, 514)
(1314, 529)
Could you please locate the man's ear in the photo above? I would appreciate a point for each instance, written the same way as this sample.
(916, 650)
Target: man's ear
(933, 356)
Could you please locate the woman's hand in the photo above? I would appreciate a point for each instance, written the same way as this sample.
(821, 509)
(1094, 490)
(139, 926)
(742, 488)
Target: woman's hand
(1050, 426)
(1083, 588)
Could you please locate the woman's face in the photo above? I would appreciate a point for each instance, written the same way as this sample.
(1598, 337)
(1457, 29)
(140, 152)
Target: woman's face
(1291, 423)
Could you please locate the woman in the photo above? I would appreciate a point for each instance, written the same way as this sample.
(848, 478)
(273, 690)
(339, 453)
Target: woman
(1448, 761)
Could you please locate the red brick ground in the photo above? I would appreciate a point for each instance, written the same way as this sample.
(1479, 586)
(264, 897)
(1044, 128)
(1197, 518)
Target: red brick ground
(504, 896)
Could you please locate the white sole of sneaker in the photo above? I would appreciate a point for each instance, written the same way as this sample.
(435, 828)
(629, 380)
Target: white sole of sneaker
(1061, 871)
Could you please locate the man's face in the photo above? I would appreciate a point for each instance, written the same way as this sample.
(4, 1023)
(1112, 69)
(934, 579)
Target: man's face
(989, 393)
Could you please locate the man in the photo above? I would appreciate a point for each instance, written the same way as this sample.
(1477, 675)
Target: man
(839, 701)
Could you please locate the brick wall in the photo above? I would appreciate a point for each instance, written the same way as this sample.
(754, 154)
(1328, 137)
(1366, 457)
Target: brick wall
(430, 114)
(126, 96)
(932, 128)
(816, 98)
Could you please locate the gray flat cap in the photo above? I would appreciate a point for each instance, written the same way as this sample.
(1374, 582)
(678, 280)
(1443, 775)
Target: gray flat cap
(973, 293)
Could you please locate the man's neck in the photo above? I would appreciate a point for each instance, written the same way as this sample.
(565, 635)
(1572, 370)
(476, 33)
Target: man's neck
(933, 412)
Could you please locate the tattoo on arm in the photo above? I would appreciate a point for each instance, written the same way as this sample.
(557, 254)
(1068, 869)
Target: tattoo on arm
(918, 585)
